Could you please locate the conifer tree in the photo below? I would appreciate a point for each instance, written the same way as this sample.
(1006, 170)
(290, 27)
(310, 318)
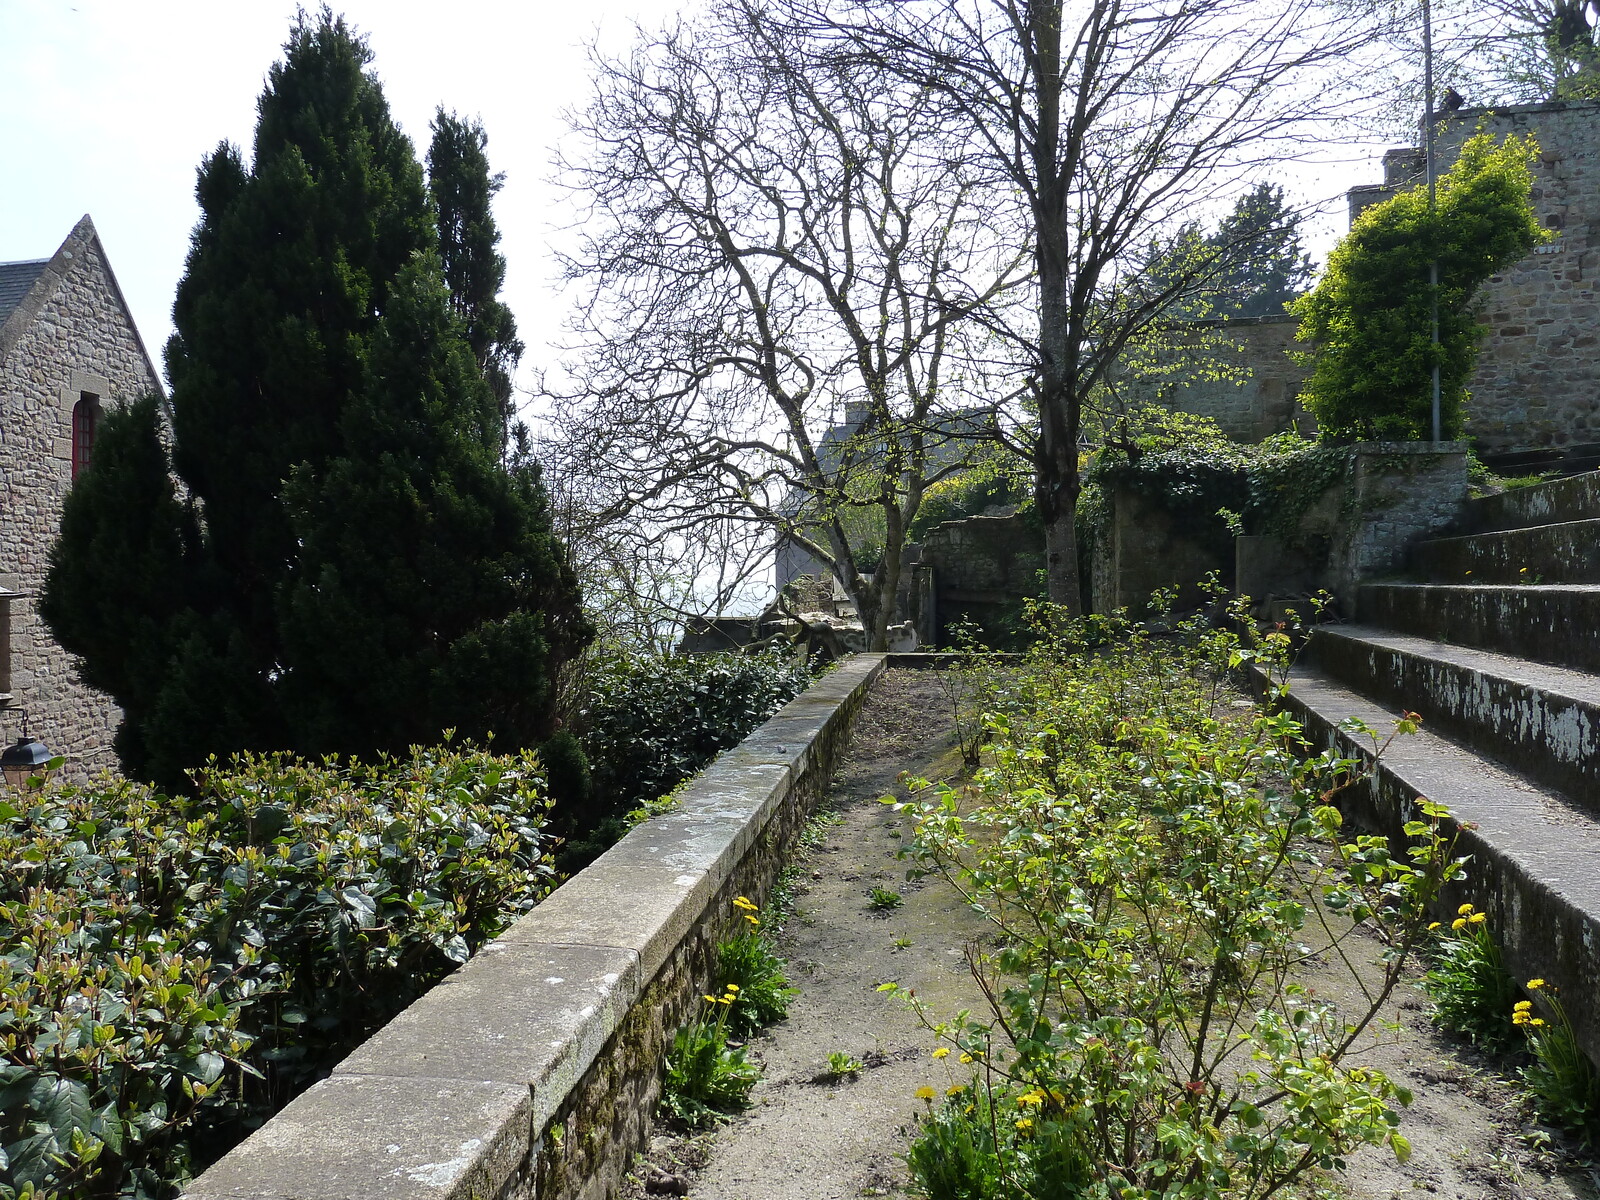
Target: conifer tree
(351, 567)
(474, 271)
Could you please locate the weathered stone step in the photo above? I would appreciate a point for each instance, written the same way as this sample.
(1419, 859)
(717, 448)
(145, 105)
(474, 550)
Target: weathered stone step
(1543, 721)
(1564, 553)
(1573, 499)
(1549, 623)
(1535, 860)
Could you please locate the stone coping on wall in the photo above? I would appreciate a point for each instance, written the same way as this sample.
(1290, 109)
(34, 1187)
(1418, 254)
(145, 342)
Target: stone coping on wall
(459, 1095)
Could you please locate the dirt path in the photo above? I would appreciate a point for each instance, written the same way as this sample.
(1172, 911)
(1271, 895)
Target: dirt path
(810, 1138)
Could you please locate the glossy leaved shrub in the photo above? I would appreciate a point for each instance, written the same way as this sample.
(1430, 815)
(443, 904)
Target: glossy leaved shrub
(174, 969)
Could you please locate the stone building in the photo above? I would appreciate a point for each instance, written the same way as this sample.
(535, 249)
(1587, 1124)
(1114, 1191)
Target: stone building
(1537, 385)
(68, 349)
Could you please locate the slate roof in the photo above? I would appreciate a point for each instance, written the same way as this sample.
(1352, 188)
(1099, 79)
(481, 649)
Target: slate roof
(16, 279)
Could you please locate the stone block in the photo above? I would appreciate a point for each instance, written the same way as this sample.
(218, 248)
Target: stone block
(520, 1013)
(364, 1137)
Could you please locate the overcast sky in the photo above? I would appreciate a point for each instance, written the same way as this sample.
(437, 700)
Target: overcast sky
(107, 107)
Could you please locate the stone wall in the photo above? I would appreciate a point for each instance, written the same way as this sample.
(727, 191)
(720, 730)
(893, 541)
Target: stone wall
(979, 569)
(1144, 548)
(72, 337)
(1262, 402)
(531, 1073)
(1538, 380)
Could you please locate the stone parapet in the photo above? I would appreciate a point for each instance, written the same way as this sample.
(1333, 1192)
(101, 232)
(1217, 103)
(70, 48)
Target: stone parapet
(531, 1073)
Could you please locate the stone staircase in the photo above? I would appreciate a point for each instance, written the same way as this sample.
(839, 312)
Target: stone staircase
(1494, 638)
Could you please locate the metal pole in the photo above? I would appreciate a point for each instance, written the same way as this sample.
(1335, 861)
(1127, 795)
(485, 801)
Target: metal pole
(1427, 142)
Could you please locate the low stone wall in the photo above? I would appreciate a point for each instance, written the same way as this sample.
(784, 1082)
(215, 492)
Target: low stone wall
(531, 1073)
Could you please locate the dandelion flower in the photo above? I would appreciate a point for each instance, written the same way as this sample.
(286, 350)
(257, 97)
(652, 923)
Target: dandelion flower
(925, 1093)
(711, 999)
(966, 1058)
(1478, 918)
(742, 902)
(752, 920)
(1535, 984)
(1458, 924)
(1024, 1123)
(1464, 910)
(942, 1052)
(953, 1091)
(1536, 1021)
(733, 987)
(1434, 925)
(1522, 1006)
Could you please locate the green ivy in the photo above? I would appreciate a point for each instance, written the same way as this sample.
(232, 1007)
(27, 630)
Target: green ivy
(1368, 319)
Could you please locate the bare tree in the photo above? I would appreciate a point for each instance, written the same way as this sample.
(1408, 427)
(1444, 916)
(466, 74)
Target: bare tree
(769, 239)
(1113, 122)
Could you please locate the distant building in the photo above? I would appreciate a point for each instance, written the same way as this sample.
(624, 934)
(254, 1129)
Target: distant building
(68, 351)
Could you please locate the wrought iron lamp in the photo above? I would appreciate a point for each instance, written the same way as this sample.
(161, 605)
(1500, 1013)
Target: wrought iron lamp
(26, 759)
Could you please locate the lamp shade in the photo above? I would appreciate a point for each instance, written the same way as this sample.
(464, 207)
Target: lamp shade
(22, 760)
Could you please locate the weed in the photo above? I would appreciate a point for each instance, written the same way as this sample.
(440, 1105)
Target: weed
(749, 967)
(882, 900)
(1563, 1080)
(706, 1077)
(841, 1063)
(1471, 990)
(902, 942)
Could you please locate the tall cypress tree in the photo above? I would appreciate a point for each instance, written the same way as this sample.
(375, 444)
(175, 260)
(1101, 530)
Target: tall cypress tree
(474, 270)
(359, 570)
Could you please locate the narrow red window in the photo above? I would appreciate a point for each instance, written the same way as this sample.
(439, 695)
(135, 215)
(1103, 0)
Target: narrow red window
(84, 413)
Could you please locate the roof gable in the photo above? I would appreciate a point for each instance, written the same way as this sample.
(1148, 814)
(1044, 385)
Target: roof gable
(26, 287)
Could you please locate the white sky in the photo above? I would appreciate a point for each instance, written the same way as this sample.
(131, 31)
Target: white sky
(107, 107)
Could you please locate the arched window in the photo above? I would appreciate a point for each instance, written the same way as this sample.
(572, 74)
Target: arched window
(84, 415)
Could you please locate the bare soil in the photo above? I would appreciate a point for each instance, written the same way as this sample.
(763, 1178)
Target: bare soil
(809, 1136)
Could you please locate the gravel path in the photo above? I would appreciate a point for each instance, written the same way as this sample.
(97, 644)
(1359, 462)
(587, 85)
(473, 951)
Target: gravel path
(811, 1138)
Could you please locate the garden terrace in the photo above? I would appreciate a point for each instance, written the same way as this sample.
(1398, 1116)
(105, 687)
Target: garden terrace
(533, 1071)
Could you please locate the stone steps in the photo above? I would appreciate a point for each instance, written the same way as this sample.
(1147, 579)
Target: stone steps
(1534, 858)
(1541, 720)
(1567, 552)
(1548, 623)
(1576, 498)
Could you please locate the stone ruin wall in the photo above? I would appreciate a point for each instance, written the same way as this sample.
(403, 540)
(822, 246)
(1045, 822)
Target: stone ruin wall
(1537, 384)
(80, 341)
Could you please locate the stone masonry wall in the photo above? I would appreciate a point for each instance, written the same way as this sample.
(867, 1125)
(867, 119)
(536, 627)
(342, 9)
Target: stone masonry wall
(531, 1073)
(1259, 405)
(79, 342)
(1538, 380)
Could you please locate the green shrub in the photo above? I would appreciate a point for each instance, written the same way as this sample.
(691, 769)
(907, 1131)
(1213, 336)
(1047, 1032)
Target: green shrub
(1471, 990)
(1159, 867)
(173, 969)
(650, 723)
(1368, 317)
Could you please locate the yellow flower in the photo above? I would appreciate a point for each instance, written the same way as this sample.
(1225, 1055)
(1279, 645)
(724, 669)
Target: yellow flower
(741, 902)
(1464, 909)
(724, 999)
(1519, 1018)
(733, 987)
(1458, 924)
(711, 999)
(1536, 1021)
(953, 1091)
(1024, 1123)
(1435, 925)
(966, 1058)
(1478, 918)
(942, 1052)
(1522, 1006)
(1033, 1097)
(752, 920)
(1535, 984)
(925, 1093)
